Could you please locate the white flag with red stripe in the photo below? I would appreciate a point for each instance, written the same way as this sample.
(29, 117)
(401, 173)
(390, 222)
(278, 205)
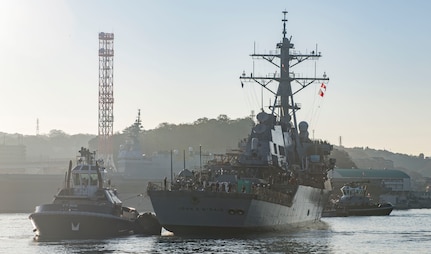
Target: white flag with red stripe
(322, 90)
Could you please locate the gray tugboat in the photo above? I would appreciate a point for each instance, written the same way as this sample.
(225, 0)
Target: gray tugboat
(84, 208)
(276, 180)
(355, 202)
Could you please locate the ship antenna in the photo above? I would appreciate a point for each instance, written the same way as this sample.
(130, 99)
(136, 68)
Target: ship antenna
(284, 24)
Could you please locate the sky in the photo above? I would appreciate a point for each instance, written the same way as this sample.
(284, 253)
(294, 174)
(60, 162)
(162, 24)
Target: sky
(178, 61)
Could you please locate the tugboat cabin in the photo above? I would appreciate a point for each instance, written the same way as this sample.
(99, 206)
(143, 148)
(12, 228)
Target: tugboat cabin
(353, 191)
(84, 185)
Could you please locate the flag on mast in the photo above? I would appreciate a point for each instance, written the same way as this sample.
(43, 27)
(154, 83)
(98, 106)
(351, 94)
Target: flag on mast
(322, 90)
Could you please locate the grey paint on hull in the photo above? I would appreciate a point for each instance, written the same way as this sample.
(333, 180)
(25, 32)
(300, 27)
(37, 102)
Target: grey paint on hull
(190, 211)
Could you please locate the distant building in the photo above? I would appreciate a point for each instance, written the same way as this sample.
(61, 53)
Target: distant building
(12, 153)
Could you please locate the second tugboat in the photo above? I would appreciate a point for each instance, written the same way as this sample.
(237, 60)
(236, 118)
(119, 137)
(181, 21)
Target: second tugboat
(276, 181)
(84, 208)
(355, 202)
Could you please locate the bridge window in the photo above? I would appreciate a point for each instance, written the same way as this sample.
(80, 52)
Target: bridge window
(93, 179)
(85, 179)
(76, 180)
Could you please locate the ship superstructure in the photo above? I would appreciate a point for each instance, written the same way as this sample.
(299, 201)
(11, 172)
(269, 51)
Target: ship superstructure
(278, 139)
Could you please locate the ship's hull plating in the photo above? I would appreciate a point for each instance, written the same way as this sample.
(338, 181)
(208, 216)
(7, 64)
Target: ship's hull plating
(75, 225)
(190, 212)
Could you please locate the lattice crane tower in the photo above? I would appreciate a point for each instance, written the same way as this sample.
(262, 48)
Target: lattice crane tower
(106, 99)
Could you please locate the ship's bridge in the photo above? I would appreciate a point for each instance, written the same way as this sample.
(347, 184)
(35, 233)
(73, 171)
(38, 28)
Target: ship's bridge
(85, 179)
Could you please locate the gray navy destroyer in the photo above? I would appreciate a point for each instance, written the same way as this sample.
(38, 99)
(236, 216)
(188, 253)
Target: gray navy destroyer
(276, 180)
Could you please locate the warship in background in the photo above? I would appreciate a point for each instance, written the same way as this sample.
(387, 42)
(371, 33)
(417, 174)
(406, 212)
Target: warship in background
(278, 181)
(132, 163)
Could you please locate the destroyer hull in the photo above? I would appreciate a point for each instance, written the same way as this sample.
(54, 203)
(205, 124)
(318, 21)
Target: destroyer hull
(78, 225)
(191, 212)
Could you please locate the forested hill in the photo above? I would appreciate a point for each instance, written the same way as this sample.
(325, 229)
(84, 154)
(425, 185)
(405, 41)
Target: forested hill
(213, 135)
(415, 166)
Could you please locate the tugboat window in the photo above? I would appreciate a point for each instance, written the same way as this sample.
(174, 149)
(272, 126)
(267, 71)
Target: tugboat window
(93, 179)
(76, 180)
(84, 179)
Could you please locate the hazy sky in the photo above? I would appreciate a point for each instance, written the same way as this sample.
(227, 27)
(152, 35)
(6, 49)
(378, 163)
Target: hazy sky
(179, 61)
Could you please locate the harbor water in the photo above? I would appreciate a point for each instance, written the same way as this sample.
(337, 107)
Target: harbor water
(404, 231)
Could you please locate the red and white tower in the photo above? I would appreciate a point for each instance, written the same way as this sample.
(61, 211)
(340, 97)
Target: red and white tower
(106, 99)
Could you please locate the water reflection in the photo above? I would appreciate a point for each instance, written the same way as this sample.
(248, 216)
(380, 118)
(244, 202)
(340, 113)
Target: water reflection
(310, 240)
(374, 234)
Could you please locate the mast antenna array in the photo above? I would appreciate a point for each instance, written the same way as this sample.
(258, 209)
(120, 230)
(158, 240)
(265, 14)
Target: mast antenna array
(284, 24)
(284, 76)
